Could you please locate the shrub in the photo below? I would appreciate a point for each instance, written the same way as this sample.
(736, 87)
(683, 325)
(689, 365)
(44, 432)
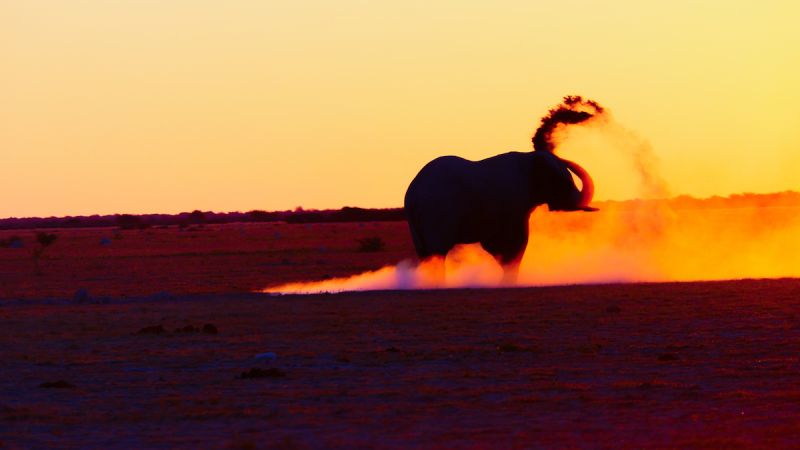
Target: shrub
(45, 239)
(371, 244)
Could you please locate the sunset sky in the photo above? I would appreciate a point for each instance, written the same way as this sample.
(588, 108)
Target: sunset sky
(145, 106)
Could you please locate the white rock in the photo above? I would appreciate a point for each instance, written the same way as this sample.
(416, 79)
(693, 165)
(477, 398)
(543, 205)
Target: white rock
(269, 356)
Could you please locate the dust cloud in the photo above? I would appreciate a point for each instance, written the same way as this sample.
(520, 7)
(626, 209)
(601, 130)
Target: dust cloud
(653, 238)
(465, 266)
(572, 110)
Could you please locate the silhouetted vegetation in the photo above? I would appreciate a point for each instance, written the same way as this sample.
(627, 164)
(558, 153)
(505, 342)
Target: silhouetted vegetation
(43, 240)
(198, 218)
(346, 214)
(130, 222)
(371, 244)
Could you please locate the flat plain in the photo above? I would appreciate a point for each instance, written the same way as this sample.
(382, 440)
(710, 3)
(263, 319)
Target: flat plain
(155, 339)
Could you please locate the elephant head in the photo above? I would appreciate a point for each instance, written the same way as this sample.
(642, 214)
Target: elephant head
(555, 185)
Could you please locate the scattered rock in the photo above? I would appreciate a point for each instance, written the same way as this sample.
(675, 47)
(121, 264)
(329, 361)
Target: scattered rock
(256, 372)
(590, 349)
(668, 357)
(188, 329)
(244, 445)
(81, 295)
(267, 356)
(509, 348)
(60, 384)
(162, 296)
(677, 347)
(155, 329)
(12, 242)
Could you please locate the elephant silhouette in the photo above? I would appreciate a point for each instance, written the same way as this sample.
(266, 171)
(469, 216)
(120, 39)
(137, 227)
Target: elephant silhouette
(455, 201)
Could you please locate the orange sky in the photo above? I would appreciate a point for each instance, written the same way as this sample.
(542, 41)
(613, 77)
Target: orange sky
(149, 106)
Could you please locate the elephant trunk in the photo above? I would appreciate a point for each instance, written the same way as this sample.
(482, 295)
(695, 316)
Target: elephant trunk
(587, 188)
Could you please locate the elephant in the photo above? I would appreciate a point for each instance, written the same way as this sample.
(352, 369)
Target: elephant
(454, 201)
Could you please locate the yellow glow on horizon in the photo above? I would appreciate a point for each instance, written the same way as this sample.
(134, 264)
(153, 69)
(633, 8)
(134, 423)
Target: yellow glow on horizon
(144, 106)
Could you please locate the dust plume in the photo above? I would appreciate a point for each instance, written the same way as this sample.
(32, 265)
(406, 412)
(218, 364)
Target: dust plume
(683, 239)
(680, 239)
(612, 153)
(572, 110)
(465, 266)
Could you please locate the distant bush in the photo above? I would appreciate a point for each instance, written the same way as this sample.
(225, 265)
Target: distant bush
(371, 244)
(263, 216)
(45, 239)
(346, 214)
(130, 222)
(197, 217)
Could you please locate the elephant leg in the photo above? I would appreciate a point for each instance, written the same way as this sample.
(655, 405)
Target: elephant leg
(419, 245)
(508, 251)
(510, 268)
(435, 241)
(510, 263)
(510, 273)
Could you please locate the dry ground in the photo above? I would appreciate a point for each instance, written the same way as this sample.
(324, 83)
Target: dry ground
(210, 259)
(675, 365)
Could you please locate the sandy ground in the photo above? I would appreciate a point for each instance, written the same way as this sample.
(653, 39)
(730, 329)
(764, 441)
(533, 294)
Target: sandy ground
(679, 365)
(657, 365)
(210, 259)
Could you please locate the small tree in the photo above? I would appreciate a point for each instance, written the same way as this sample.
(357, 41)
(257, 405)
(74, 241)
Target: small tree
(43, 240)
